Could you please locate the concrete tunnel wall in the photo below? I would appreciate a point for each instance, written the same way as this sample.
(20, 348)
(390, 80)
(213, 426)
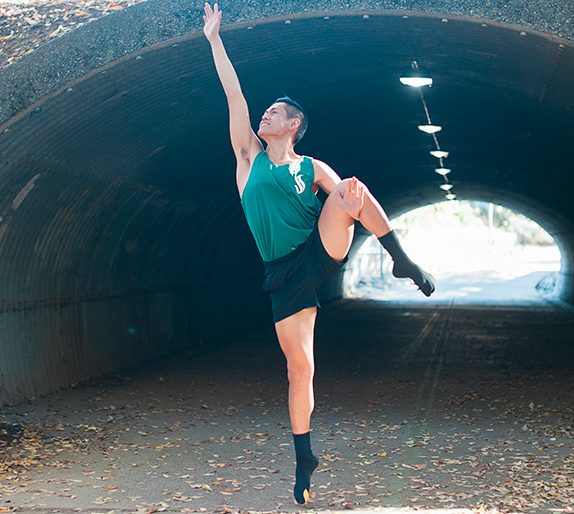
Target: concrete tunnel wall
(121, 235)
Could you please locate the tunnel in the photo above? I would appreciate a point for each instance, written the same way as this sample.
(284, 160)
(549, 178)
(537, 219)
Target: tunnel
(122, 238)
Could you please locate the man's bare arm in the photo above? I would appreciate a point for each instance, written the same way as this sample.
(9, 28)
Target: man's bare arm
(243, 139)
(325, 177)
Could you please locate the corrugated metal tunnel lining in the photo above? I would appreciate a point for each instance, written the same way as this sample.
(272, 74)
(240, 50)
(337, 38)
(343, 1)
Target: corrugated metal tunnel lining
(122, 237)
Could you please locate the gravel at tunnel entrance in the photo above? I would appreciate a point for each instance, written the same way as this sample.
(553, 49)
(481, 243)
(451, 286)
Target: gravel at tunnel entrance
(466, 407)
(26, 25)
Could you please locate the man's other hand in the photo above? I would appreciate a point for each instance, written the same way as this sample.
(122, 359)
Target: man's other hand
(353, 198)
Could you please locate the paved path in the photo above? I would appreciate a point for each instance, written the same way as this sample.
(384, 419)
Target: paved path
(430, 407)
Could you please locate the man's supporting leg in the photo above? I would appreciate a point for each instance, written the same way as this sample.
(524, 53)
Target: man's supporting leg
(335, 223)
(295, 335)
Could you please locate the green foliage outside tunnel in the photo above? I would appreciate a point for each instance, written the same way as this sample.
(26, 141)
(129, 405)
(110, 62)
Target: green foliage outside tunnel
(464, 214)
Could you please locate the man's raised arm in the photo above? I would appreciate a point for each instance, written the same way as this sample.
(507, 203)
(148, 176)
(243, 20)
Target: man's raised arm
(243, 139)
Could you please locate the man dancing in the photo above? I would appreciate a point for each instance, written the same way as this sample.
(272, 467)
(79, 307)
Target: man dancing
(301, 241)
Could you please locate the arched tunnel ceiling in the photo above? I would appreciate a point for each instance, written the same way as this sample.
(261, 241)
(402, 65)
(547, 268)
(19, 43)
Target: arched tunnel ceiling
(503, 96)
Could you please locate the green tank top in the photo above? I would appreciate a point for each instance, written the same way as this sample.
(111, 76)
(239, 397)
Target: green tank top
(280, 205)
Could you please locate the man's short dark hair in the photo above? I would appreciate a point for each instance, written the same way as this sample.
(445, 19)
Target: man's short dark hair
(294, 110)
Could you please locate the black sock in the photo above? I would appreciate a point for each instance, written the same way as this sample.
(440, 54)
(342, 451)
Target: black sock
(404, 267)
(306, 464)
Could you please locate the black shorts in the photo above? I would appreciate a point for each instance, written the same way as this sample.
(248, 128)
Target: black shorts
(294, 279)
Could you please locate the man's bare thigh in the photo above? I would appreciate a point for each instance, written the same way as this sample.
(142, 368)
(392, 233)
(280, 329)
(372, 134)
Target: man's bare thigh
(336, 228)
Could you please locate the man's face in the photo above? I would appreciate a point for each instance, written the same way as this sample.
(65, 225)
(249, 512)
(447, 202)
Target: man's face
(274, 121)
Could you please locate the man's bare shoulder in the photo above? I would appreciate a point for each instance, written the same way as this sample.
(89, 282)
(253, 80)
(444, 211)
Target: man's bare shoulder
(321, 167)
(326, 177)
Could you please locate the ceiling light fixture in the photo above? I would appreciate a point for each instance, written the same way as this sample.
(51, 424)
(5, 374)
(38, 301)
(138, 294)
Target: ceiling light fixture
(439, 154)
(446, 187)
(415, 78)
(430, 129)
(416, 81)
(443, 171)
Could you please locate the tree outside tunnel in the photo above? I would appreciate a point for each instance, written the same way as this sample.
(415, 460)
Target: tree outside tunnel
(479, 252)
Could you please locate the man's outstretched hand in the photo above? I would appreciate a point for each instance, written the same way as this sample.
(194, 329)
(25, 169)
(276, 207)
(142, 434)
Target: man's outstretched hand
(212, 21)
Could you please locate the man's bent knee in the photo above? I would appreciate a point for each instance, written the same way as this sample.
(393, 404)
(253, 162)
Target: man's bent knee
(341, 186)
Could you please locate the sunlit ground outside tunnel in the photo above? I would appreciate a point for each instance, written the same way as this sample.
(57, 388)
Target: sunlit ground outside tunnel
(478, 253)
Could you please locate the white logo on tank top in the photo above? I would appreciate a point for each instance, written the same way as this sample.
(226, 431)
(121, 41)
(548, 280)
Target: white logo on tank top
(294, 169)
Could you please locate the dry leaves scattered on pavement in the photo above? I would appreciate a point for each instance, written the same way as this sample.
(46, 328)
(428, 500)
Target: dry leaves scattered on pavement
(27, 25)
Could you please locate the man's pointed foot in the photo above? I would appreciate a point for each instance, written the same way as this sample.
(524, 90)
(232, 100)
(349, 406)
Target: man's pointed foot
(303, 473)
(421, 278)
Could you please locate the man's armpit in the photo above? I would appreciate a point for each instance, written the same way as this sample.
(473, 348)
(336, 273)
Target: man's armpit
(243, 158)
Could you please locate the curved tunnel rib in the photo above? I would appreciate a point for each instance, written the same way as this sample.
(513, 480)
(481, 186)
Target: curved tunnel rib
(121, 234)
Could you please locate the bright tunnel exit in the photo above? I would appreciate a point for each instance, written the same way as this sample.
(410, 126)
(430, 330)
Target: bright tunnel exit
(478, 252)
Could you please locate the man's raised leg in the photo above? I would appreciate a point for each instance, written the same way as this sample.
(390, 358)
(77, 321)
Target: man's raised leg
(295, 335)
(350, 201)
